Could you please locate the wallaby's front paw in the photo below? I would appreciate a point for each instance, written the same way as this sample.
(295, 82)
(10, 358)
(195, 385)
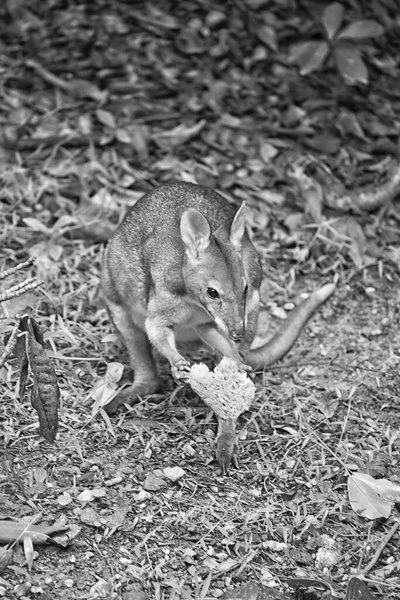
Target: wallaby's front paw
(243, 368)
(180, 370)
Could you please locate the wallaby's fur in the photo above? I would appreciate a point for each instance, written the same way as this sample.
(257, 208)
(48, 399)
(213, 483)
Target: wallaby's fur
(181, 267)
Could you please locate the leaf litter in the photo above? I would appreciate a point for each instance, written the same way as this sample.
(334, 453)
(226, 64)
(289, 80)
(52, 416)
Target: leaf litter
(211, 98)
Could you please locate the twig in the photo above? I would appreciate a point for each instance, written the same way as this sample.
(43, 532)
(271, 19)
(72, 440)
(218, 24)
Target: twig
(51, 140)
(47, 75)
(381, 548)
(9, 272)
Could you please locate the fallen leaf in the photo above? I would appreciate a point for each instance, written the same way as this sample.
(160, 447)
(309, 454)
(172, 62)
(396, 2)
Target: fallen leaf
(105, 389)
(177, 136)
(106, 118)
(357, 590)
(372, 498)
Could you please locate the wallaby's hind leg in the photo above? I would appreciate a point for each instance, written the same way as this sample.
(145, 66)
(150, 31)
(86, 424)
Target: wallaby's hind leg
(146, 380)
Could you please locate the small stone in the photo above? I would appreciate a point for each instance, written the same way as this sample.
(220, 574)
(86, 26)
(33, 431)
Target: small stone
(173, 473)
(288, 306)
(153, 483)
(85, 466)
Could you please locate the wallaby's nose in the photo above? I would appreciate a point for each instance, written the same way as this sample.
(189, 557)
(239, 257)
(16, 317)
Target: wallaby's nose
(236, 335)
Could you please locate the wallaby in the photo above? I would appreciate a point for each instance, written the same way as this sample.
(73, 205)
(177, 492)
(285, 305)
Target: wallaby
(182, 267)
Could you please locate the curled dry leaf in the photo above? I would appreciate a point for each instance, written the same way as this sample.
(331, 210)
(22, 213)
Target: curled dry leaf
(45, 391)
(179, 135)
(106, 388)
(365, 198)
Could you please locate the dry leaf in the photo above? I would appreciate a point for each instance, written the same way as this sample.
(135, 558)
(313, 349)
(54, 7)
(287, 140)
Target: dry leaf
(45, 391)
(372, 498)
(28, 550)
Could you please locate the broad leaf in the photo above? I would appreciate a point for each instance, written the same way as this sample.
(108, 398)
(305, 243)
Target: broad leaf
(357, 590)
(350, 64)
(372, 498)
(332, 19)
(309, 55)
(361, 30)
(383, 487)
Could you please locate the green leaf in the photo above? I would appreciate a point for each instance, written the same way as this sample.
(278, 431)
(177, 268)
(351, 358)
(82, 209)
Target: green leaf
(332, 19)
(350, 65)
(309, 55)
(361, 30)
(123, 135)
(267, 35)
(106, 118)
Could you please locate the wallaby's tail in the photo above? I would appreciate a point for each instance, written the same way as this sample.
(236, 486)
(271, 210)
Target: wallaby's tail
(283, 340)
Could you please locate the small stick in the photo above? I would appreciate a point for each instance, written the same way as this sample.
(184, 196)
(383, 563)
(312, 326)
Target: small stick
(381, 548)
(9, 272)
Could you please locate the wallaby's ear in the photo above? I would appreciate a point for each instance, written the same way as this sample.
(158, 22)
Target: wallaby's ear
(195, 232)
(238, 226)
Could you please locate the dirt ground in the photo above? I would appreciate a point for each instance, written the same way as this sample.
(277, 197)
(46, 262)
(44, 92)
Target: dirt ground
(143, 509)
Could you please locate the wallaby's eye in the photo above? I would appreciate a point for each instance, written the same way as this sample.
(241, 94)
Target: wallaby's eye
(212, 293)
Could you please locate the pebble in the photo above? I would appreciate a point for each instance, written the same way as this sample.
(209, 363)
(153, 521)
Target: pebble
(288, 306)
(85, 466)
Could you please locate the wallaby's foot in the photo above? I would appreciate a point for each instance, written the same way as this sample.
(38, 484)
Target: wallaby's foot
(125, 396)
(180, 370)
(129, 396)
(227, 451)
